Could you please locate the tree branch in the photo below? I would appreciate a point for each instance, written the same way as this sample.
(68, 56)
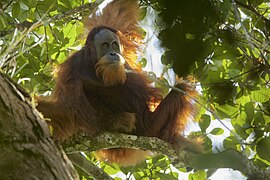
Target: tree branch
(27, 149)
(226, 159)
(118, 140)
(252, 9)
(90, 169)
(229, 159)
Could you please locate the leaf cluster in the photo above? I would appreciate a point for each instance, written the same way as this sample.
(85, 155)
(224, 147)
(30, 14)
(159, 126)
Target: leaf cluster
(35, 54)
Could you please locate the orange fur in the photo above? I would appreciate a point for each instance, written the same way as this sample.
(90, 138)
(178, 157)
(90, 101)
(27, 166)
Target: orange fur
(124, 122)
(123, 157)
(111, 74)
(189, 110)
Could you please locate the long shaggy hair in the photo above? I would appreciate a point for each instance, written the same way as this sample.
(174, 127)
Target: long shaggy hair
(111, 74)
(91, 96)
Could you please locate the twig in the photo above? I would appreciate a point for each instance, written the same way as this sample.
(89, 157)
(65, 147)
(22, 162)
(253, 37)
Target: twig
(247, 34)
(238, 17)
(252, 9)
(208, 109)
(86, 166)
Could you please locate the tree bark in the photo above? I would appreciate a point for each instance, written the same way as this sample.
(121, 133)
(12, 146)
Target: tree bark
(229, 158)
(27, 150)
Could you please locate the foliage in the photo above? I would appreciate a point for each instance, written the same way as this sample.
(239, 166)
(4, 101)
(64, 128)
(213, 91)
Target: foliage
(224, 43)
(226, 46)
(33, 55)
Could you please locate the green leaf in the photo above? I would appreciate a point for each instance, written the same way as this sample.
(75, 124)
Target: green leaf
(208, 144)
(23, 6)
(261, 95)
(117, 178)
(198, 175)
(163, 84)
(139, 175)
(67, 3)
(164, 58)
(227, 110)
(59, 35)
(257, 2)
(263, 148)
(143, 62)
(204, 122)
(62, 8)
(217, 131)
(3, 23)
(225, 8)
(160, 162)
(249, 110)
(266, 107)
(30, 3)
(230, 142)
(164, 176)
(47, 5)
(190, 36)
(143, 12)
(48, 69)
(16, 10)
(233, 73)
(23, 16)
(110, 170)
(259, 119)
(241, 124)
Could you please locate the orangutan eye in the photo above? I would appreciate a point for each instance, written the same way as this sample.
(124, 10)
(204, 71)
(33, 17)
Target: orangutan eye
(116, 46)
(105, 45)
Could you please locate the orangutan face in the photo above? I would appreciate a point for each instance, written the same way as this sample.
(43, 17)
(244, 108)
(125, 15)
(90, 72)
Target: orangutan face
(110, 62)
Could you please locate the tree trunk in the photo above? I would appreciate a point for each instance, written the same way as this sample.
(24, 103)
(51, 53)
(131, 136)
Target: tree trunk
(27, 150)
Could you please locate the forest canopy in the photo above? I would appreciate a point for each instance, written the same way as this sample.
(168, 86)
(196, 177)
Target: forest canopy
(224, 44)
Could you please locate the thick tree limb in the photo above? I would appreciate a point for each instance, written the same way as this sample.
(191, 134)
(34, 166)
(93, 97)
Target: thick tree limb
(226, 159)
(26, 148)
(118, 140)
